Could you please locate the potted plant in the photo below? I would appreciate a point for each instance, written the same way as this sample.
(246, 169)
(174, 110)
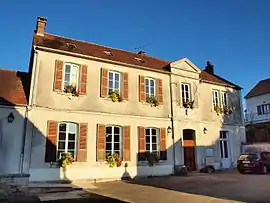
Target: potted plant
(65, 160)
(188, 104)
(72, 89)
(152, 100)
(115, 96)
(114, 160)
(152, 158)
(218, 109)
(227, 110)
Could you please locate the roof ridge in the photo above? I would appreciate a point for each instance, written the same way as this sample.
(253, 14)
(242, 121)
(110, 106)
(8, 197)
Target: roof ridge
(107, 47)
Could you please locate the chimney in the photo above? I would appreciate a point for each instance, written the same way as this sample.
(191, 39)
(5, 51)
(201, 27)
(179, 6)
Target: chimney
(209, 68)
(41, 24)
(143, 53)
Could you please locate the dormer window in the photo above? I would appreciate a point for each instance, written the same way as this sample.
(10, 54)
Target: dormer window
(108, 53)
(71, 45)
(139, 59)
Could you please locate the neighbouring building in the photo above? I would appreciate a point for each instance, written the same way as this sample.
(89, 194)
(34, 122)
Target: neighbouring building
(257, 116)
(92, 101)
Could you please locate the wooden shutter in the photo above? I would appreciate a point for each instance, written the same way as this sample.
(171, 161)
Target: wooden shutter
(82, 143)
(101, 142)
(126, 143)
(142, 88)
(159, 91)
(58, 75)
(141, 139)
(104, 83)
(83, 80)
(162, 144)
(125, 86)
(51, 139)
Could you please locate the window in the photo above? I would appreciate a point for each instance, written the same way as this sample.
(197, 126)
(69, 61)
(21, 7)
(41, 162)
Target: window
(113, 140)
(263, 109)
(224, 99)
(67, 138)
(114, 82)
(186, 94)
(151, 140)
(71, 75)
(215, 95)
(150, 87)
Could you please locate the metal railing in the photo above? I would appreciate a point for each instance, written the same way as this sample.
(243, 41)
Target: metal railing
(256, 118)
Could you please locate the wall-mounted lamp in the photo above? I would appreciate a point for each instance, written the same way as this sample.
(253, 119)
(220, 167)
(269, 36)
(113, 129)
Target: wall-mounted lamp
(10, 117)
(204, 130)
(169, 130)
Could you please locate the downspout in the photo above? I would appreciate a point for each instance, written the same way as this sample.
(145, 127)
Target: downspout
(28, 108)
(172, 122)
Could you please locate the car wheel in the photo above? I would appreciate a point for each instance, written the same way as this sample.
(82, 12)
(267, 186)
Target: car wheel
(264, 170)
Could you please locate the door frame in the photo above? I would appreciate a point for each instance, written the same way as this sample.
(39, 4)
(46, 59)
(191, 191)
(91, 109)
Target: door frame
(229, 151)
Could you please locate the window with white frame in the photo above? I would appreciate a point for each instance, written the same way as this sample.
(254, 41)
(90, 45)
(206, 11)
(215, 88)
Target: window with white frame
(186, 93)
(67, 138)
(215, 96)
(71, 75)
(152, 140)
(150, 87)
(113, 140)
(114, 82)
(224, 99)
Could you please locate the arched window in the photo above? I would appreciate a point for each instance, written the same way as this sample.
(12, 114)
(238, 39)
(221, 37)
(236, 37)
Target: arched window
(67, 138)
(152, 139)
(113, 140)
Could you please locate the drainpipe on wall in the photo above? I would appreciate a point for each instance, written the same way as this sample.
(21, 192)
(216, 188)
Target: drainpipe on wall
(172, 121)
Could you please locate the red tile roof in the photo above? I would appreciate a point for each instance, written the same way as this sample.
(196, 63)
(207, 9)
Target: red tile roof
(262, 87)
(94, 50)
(14, 87)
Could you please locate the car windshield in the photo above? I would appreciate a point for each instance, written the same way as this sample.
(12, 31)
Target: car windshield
(248, 156)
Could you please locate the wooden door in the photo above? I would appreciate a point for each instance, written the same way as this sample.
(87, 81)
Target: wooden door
(189, 154)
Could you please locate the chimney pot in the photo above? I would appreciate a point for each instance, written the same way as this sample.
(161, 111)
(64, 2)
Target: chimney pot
(209, 68)
(41, 24)
(143, 53)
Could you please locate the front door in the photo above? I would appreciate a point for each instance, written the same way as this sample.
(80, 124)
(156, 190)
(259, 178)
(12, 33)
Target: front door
(189, 149)
(224, 150)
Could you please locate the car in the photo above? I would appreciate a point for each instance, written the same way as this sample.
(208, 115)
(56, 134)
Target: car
(254, 162)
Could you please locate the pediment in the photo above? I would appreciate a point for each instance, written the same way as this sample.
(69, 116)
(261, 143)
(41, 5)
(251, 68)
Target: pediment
(185, 65)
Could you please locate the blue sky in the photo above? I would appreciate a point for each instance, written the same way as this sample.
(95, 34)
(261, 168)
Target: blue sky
(234, 35)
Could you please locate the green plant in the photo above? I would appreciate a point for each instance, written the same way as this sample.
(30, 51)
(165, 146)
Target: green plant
(114, 160)
(188, 104)
(218, 109)
(65, 160)
(227, 110)
(71, 89)
(152, 100)
(152, 158)
(115, 96)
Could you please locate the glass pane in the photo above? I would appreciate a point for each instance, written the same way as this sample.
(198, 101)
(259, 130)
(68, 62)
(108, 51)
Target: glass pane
(110, 90)
(221, 149)
(154, 139)
(117, 77)
(183, 88)
(225, 149)
(66, 84)
(71, 145)
(147, 90)
(187, 96)
(74, 79)
(61, 145)
(154, 147)
(116, 85)
(147, 131)
(72, 128)
(110, 84)
(108, 146)
(186, 88)
(71, 136)
(67, 77)
(62, 127)
(146, 82)
(67, 70)
(116, 130)
(152, 91)
(147, 139)
(62, 136)
(116, 146)
(108, 138)
(116, 138)
(148, 147)
(109, 130)
(74, 70)
(110, 76)
(154, 131)
(221, 134)
(152, 83)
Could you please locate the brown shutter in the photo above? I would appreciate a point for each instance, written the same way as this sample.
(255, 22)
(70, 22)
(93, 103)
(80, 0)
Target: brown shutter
(83, 80)
(82, 143)
(58, 75)
(141, 139)
(142, 88)
(126, 143)
(101, 141)
(51, 139)
(159, 91)
(104, 83)
(125, 86)
(162, 144)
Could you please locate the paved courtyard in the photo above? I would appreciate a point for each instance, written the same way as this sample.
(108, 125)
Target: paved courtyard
(217, 187)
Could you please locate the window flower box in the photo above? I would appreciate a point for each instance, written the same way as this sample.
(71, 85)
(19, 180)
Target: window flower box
(115, 96)
(188, 104)
(72, 89)
(152, 100)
